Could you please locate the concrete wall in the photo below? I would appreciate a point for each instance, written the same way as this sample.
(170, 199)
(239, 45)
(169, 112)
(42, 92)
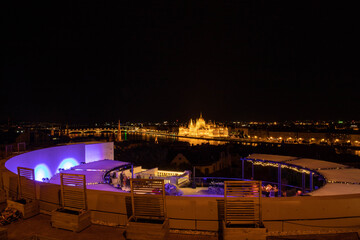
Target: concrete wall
(206, 213)
(99, 151)
(279, 214)
(311, 213)
(47, 161)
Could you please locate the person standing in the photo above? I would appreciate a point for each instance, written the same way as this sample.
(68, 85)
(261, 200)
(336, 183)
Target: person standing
(124, 181)
(128, 182)
(121, 179)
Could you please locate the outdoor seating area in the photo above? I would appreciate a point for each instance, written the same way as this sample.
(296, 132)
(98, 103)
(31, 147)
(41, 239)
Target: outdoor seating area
(195, 210)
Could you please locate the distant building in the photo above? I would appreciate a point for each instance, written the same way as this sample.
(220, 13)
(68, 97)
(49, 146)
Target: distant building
(203, 129)
(303, 136)
(222, 163)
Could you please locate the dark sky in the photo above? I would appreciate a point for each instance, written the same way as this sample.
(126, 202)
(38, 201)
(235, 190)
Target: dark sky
(150, 61)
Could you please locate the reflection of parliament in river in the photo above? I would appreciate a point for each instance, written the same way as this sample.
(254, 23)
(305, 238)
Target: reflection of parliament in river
(203, 129)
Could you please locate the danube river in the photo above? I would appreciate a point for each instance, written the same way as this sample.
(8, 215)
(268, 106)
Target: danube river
(129, 136)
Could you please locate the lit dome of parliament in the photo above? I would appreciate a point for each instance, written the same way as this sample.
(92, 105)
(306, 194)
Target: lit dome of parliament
(203, 129)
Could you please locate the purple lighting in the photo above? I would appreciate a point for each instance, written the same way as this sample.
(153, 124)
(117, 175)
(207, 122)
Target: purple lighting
(67, 164)
(42, 171)
(47, 161)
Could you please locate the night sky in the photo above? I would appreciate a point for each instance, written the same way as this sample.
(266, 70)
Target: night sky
(152, 61)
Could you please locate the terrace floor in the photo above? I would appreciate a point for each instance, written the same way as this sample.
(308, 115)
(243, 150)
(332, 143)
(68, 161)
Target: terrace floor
(40, 225)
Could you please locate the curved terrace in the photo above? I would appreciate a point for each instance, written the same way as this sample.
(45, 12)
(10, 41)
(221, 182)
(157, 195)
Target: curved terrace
(333, 206)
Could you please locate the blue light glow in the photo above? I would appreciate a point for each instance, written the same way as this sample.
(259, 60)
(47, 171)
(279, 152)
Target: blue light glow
(67, 164)
(42, 171)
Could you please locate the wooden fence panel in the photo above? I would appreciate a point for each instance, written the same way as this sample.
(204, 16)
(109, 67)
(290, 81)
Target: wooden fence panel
(242, 202)
(73, 191)
(148, 198)
(26, 181)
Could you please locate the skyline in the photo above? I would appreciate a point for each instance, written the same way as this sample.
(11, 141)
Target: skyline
(234, 62)
(319, 124)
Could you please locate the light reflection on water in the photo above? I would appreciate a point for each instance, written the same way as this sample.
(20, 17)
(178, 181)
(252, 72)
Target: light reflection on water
(357, 153)
(161, 138)
(192, 141)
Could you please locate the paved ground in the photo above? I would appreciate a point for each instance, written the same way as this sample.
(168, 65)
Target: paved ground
(338, 236)
(40, 225)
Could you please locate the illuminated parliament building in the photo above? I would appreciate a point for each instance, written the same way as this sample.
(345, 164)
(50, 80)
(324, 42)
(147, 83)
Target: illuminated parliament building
(203, 129)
